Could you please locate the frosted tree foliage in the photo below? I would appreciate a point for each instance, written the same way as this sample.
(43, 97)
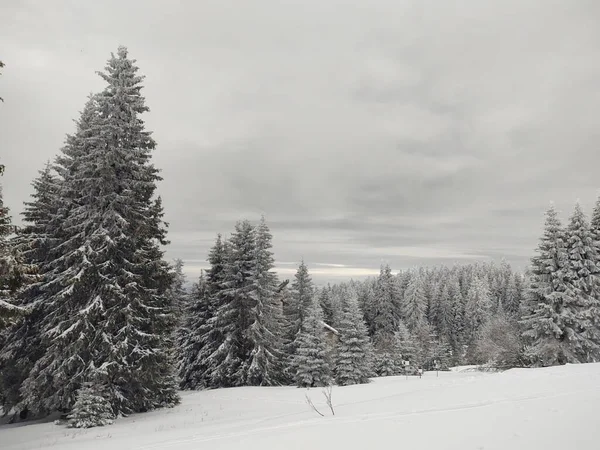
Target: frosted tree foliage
(203, 334)
(266, 357)
(91, 409)
(21, 344)
(353, 358)
(415, 303)
(193, 336)
(296, 308)
(108, 290)
(582, 299)
(249, 316)
(546, 332)
(478, 307)
(310, 364)
(177, 292)
(384, 307)
(11, 268)
(230, 359)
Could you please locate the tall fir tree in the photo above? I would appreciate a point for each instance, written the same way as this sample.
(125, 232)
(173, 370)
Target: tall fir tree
(11, 268)
(514, 295)
(310, 364)
(23, 345)
(415, 303)
(457, 325)
(202, 336)
(595, 226)
(582, 299)
(353, 358)
(266, 357)
(478, 308)
(177, 291)
(111, 313)
(407, 350)
(229, 362)
(191, 339)
(545, 330)
(296, 308)
(331, 310)
(384, 319)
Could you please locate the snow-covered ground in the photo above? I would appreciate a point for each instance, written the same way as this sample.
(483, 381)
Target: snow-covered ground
(529, 409)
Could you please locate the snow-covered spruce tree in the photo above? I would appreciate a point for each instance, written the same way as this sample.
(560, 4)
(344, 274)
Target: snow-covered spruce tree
(582, 299)
(595, 226)
(514, 295)
(191, 338)
(385, 301)
(442, 311)
(265, 331)
(415, 303)
(353, 356)
(384, 322)
(13, 271)
(202, 335)
(366, 301)
(328, 305)
(22, 344)
(296, 308)
(310, 364)
(177, 290)
(387, 358)
(478, 307)
(38, 390)
(547, 323)
(405, 344)
(109, 286)
(91, 409)
(230, 361)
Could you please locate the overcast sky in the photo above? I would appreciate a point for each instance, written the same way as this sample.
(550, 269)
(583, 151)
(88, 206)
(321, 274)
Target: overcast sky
(413, 132)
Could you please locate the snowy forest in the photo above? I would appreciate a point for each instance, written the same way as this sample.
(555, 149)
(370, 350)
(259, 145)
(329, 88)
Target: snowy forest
(95, 323)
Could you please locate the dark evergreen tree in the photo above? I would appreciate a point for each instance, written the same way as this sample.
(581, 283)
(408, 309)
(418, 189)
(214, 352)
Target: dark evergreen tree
(265, 332)
(415, 303)
(405, 343)
(108, 290)
(545, 330)
(202, 337)
(12, 268)
(177, 291)
(327, 303)
(582, 299)
(383, 316)
(91, 408)
(296, 309)
(230, 361)
(192, 337)
(353, 359)
(310, 364)
(514, 295)
(23, 345)
(478, 307)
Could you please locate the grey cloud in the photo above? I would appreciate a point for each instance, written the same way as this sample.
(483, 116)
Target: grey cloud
(358, 129)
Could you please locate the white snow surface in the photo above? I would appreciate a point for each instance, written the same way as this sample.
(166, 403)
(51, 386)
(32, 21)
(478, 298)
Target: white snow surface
(529, 409)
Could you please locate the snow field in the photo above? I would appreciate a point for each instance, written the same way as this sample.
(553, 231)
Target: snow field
(529, 409)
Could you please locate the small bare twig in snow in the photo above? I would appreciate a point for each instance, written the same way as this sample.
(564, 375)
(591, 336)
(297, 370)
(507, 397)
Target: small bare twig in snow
(327, 393)
(312, 405)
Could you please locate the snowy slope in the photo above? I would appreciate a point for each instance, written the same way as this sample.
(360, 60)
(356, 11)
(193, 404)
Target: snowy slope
(529, 409)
